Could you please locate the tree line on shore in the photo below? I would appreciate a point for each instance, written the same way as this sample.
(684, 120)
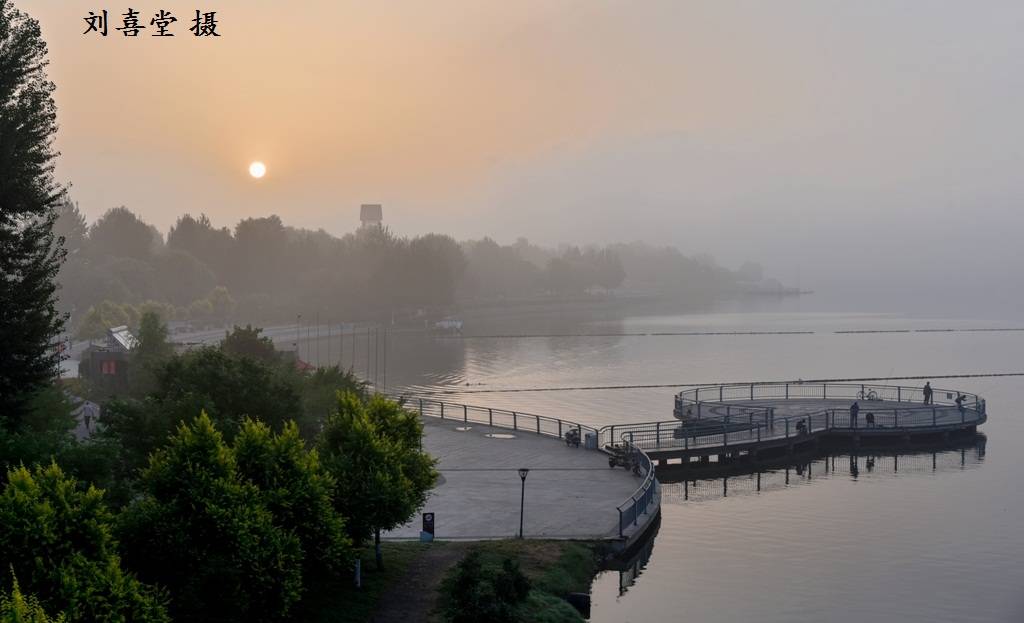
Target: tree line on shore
(261, 270)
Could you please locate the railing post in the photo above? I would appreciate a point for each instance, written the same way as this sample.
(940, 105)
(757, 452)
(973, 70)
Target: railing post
(515, 421)
(612, 434)
(824, 391)
(899, 394)
(538, 423)
(421, 407)
(759, 433)
(442, 410)
(465, 413)
(657, 434)
(787, 428)
(787, 391)
(725, 432)
(719, 393)
(751, 391)
(490, 417)
(698, 410)
(559, 428)
(620, 523)
(686, 442)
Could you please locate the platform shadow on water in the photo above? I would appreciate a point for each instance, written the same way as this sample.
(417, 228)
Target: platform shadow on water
(712, 481)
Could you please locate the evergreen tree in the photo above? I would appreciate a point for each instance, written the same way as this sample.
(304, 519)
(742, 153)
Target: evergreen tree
(30, 254)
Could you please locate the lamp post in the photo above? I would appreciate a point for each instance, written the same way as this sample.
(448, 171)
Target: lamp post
(523, 472)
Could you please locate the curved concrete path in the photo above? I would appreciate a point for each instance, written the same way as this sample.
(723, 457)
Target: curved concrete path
(570, 492)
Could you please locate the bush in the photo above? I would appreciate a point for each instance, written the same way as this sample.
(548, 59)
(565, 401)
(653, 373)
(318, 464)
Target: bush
(57, 539)
(481, 594)
(18, 608)
(297, 491)
(204, 532)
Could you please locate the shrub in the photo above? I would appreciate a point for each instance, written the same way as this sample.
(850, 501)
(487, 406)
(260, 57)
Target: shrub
(204, 532)
(58, 540)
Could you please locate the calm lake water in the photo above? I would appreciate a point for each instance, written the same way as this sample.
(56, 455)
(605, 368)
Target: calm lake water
(926, 537)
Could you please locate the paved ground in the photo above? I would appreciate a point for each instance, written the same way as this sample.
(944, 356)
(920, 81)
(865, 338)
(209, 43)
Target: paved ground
(570, 492)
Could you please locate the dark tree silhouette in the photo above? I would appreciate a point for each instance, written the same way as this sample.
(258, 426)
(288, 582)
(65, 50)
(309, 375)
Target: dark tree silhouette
(30, 254)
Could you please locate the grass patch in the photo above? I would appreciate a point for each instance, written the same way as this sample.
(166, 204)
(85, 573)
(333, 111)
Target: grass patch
(336, 600)
(554, 568)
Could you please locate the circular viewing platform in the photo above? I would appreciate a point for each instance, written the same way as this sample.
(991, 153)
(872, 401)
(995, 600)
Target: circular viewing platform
(736, 420)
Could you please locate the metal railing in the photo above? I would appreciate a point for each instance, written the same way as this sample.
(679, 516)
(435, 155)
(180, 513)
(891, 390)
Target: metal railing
(710, 417)
(639, 503)
(641, 500)
(502, 418)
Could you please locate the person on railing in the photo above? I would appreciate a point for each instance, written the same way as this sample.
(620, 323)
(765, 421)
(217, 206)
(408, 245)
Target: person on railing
(854, 410)
(928, 393)
(801, 428)
(960, 398)
(869, 419)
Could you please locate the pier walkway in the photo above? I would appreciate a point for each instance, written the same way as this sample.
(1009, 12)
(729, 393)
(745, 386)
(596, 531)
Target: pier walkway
(743, 420)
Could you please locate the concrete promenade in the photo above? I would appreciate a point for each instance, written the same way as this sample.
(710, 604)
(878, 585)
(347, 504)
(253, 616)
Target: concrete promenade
(570, 492)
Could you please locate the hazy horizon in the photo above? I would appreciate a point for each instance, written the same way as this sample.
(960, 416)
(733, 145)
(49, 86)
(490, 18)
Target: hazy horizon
(866, 145)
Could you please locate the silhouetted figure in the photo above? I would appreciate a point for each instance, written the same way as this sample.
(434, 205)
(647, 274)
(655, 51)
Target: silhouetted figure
(960, 402)
(869, 419)
(801, 428)
(928, 393)
(854, 410)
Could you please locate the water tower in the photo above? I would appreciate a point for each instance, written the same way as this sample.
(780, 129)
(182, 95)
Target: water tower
(371, 215)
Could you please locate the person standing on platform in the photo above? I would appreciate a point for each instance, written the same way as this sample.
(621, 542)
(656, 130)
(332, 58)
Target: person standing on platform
(928, 393)
(854, 410)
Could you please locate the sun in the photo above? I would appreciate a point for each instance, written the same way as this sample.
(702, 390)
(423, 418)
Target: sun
(257, 169)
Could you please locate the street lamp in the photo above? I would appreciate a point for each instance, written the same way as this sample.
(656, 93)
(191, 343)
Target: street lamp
(523, 472)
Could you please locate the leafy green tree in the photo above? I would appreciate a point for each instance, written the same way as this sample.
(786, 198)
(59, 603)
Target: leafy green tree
(203, 531)
(182, 278)
(58, 540)
(222, 305)
(18, 608)
(30, 254)
(228, 388)
(320, 395)
(120, 233)
(380, 480)
(247, 342)
(136, 428)
(44, 432)
(152, 351)
(297, 491)
(402, 428)
(103, 316)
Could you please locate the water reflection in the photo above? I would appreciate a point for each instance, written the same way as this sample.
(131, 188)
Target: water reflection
(679, 486)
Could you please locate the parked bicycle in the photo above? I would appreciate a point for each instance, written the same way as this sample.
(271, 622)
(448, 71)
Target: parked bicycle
(867, 394)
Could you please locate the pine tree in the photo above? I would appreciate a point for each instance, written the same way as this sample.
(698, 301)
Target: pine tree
(30, 254)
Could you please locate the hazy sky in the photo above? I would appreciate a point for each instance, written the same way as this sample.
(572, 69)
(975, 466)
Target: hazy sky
(877, 141)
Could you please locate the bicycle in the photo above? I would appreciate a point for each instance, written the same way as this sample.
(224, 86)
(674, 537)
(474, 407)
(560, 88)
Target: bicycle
(867, 394)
